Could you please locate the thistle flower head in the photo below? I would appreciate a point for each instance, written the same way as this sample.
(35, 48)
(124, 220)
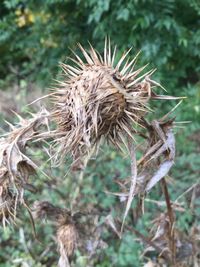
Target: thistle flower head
(99, 98)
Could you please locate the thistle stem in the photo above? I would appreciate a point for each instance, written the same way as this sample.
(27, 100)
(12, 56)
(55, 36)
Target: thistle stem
(171, 233)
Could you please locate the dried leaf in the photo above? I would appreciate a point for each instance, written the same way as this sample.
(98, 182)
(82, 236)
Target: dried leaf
(160, 173)
(110, 221)
(133, 182)
(15, 165)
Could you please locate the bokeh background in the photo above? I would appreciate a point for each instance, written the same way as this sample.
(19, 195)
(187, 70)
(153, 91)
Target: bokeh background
(34, 37)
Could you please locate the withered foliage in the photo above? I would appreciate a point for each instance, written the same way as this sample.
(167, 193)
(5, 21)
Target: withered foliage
(186, 246)
(15, 166)
(98, 99)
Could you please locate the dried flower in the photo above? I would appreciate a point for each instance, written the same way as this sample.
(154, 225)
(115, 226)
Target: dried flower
(66, 231)
(100, 98)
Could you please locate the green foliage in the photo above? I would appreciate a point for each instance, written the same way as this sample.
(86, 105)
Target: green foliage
(35, 35)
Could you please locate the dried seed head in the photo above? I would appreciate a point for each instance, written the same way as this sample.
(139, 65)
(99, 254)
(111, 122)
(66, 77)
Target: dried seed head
(67, 237)
(99, 98)
(66, 234)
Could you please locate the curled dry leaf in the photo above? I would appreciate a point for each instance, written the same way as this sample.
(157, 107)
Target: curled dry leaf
(15, 165)
(163, 133)
(153, 165)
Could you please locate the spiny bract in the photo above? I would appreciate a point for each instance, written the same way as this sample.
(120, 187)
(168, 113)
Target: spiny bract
(99, 98)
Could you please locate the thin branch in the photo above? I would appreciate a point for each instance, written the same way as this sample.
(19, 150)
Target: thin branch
(171, 233)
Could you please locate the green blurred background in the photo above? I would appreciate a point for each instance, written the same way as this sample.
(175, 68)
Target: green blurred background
(34, 37)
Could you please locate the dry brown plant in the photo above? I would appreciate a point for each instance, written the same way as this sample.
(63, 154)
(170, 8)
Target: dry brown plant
(97, 99)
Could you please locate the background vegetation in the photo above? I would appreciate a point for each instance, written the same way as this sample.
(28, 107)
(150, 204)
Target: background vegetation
(34, 37)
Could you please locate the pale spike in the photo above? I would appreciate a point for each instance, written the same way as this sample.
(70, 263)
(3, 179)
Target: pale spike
(122, 137)
(127, 130)
(138, 79)
(38, 99)
(133, 121)
(77, 71)
(109, 53)
(118, 143)
(100, 57)
(168, 97)
(135, 73)
(113, 56)
(79, 59)
(155, 83)
(122, 59)
(171, 111)
(71, 73)
(124, 70)
(65, 69)
(125, 65)
(12, 127)
(81, 65)
(105, 52)
(130, 113)
(87, 57)
(21, 120)
(135, 108)
(94, 55)
(136, 121)
(60, 83)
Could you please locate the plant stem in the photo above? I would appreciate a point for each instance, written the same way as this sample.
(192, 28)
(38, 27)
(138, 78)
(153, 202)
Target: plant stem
(171, 233)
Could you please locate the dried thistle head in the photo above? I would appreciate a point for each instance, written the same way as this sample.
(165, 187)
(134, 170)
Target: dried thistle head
(66, 231)
(67, 238)
(100, 98)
